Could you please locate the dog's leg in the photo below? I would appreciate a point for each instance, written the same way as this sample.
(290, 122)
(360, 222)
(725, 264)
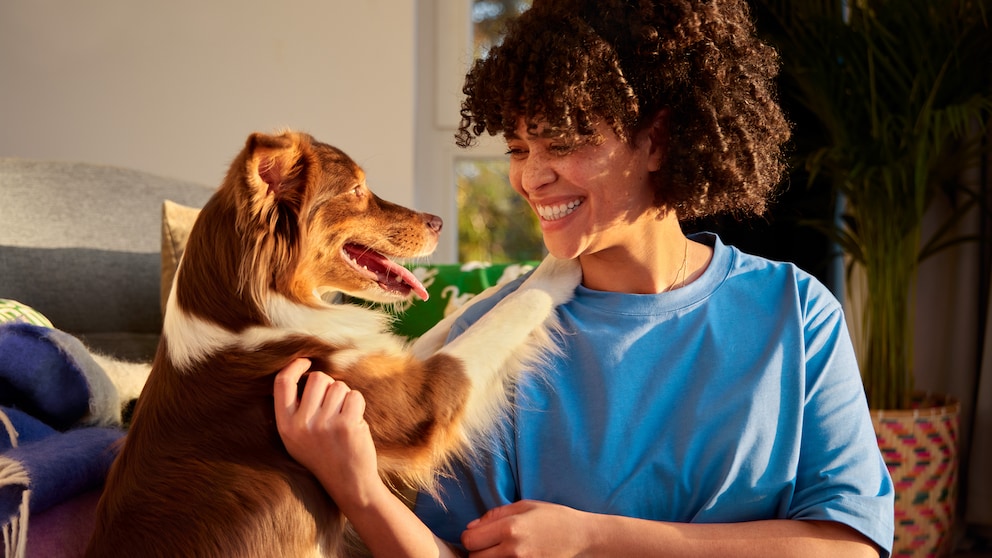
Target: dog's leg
(433, 339)
(557, 277)
(423, 411)
(510, 337)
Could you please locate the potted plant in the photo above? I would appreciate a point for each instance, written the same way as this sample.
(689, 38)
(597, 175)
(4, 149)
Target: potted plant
(900, 94)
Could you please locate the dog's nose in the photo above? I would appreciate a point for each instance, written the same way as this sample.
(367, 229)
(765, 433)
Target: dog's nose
(434, 222)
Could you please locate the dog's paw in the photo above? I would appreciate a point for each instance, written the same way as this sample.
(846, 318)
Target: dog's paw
(558, 278)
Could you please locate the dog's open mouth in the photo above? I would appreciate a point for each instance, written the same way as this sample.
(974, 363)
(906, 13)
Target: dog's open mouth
(390, 276)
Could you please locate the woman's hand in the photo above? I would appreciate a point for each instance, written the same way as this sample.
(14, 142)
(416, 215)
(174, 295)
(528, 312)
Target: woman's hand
(325, 430)
(528, 528)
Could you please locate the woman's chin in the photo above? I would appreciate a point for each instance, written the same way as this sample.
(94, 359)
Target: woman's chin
(566, 249)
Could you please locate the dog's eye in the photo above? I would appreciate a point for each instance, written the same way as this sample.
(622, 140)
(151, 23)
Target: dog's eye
(357, 191)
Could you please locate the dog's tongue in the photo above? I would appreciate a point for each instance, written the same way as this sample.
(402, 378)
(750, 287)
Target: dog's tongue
(390, 275)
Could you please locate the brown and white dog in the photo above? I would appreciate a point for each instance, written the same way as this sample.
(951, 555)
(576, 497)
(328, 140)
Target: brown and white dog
(203, 471)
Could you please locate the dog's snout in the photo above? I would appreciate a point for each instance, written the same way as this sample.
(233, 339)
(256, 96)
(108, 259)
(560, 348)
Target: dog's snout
(433, 222)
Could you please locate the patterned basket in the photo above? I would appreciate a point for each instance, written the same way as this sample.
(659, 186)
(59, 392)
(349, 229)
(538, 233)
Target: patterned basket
(920, 447)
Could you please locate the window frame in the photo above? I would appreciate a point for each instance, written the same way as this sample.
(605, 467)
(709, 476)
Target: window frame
(444, 56)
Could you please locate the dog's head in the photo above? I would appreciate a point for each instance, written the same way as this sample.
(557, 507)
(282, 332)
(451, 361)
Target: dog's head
(306, 224)
(320, 228)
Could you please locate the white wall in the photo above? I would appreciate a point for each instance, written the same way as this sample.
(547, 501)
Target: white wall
(174, 87)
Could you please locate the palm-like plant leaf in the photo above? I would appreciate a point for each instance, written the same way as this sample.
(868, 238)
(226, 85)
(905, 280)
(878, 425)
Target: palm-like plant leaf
(901, 89)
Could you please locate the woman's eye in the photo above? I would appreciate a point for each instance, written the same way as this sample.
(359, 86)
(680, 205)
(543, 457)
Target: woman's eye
(516, 152)
(561, 148)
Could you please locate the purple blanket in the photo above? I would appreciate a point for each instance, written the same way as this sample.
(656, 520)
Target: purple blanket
(57, 436)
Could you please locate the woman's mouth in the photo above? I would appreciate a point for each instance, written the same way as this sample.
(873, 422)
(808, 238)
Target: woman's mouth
(557, 211)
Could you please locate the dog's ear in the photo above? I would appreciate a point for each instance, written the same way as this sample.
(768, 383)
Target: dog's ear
(276, 169)
(276, 164)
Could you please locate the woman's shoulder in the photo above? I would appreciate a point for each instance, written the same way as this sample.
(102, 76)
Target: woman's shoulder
(760, 274)
(735, 260)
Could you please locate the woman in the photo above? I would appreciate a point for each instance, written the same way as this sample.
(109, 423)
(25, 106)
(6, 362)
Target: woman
(709, 403)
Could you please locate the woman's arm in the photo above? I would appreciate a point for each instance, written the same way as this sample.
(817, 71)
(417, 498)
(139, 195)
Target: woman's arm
(529, 528)
(389, 528)
(326, 432)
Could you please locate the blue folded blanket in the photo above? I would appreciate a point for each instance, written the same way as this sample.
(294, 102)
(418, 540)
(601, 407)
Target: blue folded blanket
(59, 421)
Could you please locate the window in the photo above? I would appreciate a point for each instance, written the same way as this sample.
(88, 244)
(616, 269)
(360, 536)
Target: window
(494, 223)
(489, 17)
(467, 186)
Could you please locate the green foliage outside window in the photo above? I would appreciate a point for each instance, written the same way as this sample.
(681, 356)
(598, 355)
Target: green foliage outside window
(494, 223)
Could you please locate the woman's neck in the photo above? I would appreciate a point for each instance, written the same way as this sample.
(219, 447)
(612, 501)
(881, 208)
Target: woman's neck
(659, 260)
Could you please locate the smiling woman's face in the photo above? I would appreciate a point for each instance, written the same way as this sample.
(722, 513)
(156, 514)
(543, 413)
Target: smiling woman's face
(590, 196)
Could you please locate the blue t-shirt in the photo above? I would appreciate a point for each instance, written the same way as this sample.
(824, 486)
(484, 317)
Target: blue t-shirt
(734, 398)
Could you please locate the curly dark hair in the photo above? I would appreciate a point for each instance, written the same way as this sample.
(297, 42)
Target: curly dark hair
(571, 63)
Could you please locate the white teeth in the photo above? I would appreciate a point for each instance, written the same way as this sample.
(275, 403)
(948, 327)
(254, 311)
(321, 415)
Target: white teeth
(554, 212)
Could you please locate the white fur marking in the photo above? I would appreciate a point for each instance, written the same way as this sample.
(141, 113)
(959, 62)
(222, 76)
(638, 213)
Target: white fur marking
(192, 339)
(508, 339)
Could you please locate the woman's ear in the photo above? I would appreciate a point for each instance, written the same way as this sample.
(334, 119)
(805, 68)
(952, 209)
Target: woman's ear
(657, 137)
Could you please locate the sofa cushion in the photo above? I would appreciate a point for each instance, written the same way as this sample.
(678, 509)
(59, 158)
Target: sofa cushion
(177, 221)
(80, 242)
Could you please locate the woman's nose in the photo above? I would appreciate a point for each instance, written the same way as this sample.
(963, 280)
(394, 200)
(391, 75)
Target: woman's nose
(537, 173)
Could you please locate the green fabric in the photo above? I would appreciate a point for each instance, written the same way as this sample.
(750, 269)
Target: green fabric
(449, 287)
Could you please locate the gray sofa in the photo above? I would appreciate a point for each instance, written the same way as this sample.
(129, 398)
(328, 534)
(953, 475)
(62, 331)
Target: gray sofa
(80, 243)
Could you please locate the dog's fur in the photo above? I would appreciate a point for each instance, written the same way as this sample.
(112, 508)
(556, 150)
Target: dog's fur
(203, 471)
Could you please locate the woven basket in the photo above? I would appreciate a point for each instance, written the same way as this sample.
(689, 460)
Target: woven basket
(920, 447)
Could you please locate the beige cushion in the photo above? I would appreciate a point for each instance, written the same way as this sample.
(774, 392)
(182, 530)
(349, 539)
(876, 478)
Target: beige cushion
(177, 221)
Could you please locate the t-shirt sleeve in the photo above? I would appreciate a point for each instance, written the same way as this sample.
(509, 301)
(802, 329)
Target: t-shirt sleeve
(841, 475)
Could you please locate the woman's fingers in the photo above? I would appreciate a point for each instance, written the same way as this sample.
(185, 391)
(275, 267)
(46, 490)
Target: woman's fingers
(285, 389)
(326, 400)
(353, 406)
(321, 399)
